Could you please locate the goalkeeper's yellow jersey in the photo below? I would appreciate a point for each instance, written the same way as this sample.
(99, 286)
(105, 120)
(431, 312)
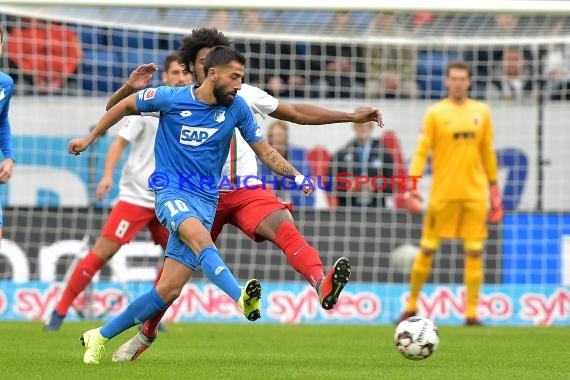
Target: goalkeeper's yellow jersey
(460, 139)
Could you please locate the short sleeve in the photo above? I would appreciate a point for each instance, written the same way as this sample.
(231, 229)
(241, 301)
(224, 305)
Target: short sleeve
(246, 124)
(131, 128)
(153, 99)
(259, 101)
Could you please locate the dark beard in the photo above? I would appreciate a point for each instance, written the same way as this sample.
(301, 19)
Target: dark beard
(222, 98)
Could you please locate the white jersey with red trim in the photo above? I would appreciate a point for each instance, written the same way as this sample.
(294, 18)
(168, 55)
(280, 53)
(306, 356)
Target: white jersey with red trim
(140, 132)
(241, 164)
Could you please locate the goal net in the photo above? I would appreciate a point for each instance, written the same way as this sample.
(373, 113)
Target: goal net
(66, 62)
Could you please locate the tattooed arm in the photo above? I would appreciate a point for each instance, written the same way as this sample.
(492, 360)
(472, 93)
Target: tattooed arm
(279, 165)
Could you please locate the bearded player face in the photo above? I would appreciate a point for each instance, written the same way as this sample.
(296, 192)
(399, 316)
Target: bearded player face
(227, 82)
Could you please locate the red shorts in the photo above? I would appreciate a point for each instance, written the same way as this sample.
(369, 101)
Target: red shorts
(246, 208)
(127, 219)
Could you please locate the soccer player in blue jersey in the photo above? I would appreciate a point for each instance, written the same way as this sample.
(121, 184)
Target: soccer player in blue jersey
(192, 142)
(7, 164)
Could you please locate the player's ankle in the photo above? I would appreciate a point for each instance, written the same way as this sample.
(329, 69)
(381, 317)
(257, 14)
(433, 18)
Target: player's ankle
(145, 339)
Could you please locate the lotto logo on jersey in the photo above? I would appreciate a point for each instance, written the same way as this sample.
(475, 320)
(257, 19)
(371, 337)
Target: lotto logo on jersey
(195, 136)
(147, 94)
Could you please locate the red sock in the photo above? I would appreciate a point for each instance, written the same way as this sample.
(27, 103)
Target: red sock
(302, 257)
(80, 278)
(150, 326)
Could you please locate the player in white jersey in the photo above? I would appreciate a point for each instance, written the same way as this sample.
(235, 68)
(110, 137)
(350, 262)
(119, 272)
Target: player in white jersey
(135, 208)
(257, 211)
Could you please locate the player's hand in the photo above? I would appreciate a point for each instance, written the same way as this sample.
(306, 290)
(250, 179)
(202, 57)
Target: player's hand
(308, 185)
(76, 146)
(414, 201)
(496, 214)
(364, 115)
(104, 187)
(6, 169)
(141, 76)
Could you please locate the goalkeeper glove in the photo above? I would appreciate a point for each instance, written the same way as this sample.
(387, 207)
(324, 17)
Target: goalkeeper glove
(414, 200)
(496, 214)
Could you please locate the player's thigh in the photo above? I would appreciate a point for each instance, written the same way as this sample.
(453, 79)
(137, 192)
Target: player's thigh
(473, 221)
(255, 206)
(173, 208)
(189, 220)
(125, 221)
(442, 220)
(158, 232)
(224, 213)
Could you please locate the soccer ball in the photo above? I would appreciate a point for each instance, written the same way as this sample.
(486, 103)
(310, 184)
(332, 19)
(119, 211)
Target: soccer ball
(416, 338)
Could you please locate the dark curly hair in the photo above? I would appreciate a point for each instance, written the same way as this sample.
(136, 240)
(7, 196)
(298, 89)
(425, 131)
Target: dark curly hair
(199, 39)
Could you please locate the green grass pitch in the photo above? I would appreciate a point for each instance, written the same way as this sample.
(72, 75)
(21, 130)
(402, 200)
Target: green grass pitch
(250, 351)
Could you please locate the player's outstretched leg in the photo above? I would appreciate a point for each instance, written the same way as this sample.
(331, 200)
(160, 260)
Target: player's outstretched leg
(94, 344)
(250, 300)
(330, 286)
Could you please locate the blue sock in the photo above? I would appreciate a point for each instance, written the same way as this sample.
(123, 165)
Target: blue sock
(217, 272)
(138, 311)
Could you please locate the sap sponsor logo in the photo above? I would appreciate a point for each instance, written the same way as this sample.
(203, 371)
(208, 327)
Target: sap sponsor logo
(147, 93)
(195, 136)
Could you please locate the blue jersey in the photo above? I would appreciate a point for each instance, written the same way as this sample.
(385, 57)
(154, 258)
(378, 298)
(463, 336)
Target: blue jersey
(6, 89)
(193, 138)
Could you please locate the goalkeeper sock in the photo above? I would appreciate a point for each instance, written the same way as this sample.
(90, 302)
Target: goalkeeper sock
(473, 278)
(217, 272)
(301, 256)
(138, 311)
(84, 271)
(418, 277)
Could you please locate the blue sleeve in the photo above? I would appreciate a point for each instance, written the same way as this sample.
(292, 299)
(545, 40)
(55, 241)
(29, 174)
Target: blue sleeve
(154, 99)
(5, 131)
(246, 124)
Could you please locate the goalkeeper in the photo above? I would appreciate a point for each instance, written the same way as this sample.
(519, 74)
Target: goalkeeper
(459, 133)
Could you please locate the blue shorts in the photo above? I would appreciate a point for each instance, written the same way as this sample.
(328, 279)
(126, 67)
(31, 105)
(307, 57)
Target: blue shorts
(172, 208)
(1, 218)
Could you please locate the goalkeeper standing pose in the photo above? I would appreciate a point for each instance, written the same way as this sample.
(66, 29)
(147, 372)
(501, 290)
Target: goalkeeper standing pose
(459, 134)
(258, 212)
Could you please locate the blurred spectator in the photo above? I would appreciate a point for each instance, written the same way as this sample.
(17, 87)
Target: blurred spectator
(391, 68)
(285, 68)
(485, 60)
(278, 138)
(512, 79)
(47, 54)
(556, 66)
(251, 21)
(221, 20)
(557, 72)
(362, 156)
(338, 70)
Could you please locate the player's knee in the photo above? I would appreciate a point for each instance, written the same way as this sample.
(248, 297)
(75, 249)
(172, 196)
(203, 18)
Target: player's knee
(269, 226)
(167, 292)
(429, 245)
(473, 247)
(105, 248)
